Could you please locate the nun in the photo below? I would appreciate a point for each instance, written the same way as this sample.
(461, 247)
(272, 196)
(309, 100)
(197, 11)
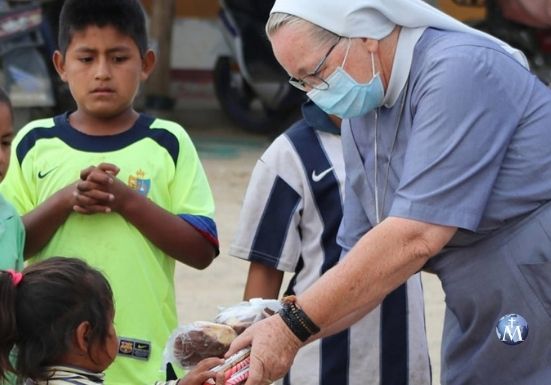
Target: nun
(447, 145)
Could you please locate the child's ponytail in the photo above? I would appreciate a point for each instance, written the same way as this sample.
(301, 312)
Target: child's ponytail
(9, 281)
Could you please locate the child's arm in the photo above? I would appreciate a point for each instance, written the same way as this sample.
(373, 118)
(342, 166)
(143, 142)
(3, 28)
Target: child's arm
(199, 374)
(262, 282)
(167, 231)
(42, 222)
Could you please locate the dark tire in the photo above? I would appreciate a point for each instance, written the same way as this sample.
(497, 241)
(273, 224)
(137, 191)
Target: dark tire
(243, 106)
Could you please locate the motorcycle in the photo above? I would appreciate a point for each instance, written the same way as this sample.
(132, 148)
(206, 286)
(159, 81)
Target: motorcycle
(250, 85)
(26, 72)
(502, 19)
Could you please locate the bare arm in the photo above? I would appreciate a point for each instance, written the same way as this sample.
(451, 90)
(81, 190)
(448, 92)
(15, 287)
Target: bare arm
(42, 222)
(383, 259)
(201, 373)
(100, 189)
(168, 232)
(262, 282)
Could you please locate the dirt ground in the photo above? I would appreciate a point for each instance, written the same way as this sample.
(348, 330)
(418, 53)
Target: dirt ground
(228, 155)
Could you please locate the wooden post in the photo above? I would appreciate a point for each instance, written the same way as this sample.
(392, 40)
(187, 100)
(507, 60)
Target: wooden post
(157, 88)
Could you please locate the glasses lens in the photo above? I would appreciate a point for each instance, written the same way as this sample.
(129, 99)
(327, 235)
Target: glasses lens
(297, 83)
(317, 83)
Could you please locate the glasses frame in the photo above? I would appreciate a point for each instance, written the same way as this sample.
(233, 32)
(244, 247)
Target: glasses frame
(303, 85)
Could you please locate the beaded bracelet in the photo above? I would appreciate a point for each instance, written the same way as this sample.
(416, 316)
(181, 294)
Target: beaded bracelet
(297, 320)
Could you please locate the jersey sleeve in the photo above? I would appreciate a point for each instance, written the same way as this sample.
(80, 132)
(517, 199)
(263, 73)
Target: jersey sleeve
(192, 198)
(269, 223)
(463, 119)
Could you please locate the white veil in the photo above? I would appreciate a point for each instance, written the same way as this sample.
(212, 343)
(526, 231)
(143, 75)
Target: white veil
(375, 19)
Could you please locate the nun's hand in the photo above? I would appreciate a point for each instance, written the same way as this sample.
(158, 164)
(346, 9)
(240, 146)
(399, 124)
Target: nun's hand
(273, 349)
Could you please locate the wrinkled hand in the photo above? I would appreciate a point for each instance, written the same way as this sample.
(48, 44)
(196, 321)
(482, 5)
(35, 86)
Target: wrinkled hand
(201, 373)
(274, 348)
(98, 191)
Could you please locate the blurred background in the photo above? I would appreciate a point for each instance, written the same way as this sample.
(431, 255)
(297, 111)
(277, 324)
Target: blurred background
(213, 55)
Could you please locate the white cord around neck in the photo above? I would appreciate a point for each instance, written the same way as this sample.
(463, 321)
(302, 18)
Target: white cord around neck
(378, 208)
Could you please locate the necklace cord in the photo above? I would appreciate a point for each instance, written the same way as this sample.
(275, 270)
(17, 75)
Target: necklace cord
(376, 153)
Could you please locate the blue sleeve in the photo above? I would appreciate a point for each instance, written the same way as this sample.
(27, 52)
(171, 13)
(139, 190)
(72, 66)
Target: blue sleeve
(463, 117)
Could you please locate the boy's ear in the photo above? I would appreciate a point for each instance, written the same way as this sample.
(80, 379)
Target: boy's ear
(148, 64)
(59, 64)
(81, 336)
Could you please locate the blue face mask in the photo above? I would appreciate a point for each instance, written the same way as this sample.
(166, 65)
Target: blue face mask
(347, 98)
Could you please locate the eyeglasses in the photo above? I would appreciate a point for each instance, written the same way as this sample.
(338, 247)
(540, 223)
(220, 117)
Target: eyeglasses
(312, 80)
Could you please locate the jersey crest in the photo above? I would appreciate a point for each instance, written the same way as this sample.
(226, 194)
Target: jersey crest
(139, 183)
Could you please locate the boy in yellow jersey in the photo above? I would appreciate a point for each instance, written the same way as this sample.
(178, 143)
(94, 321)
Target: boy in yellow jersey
(122, 190)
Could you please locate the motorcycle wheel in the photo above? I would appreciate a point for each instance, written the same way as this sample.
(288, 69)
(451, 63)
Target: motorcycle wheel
(243, 106)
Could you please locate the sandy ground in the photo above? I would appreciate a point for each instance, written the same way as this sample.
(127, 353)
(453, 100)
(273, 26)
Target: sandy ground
(228, 155)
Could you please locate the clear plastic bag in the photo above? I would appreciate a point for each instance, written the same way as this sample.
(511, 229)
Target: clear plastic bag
(244, 314)
(188, 344)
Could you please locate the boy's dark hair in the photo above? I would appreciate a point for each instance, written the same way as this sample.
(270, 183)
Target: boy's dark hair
(5, 99)
(127, 16)
(39, 315)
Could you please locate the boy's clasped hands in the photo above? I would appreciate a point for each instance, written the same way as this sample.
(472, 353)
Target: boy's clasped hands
(99, 190)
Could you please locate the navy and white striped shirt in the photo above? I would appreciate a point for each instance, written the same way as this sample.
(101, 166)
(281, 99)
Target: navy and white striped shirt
(289, 221)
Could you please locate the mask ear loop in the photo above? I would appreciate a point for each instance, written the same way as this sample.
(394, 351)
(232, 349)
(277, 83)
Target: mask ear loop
(346, 54)
(346, 57)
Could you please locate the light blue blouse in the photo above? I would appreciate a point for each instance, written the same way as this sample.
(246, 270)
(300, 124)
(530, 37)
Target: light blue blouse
(12, 237)
(464, 140)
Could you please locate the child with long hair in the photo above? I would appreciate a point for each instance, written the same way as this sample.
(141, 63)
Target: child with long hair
(58, 315)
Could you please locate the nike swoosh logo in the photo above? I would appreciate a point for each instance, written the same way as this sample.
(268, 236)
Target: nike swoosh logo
(318, 177)
(42, 175)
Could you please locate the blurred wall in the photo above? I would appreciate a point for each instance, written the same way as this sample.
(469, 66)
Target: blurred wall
(196, 44)
(196, 39)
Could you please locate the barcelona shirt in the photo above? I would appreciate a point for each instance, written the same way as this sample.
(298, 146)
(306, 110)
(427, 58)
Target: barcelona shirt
(157, 158)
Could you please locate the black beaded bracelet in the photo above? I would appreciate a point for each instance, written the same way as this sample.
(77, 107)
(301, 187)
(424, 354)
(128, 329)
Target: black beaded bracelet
(299, 331)
(297, 320)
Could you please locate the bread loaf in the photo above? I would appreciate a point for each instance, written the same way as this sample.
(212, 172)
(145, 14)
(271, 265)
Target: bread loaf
(202, 340)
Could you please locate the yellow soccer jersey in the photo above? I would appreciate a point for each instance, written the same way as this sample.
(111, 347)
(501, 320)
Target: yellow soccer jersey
(155, 157)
